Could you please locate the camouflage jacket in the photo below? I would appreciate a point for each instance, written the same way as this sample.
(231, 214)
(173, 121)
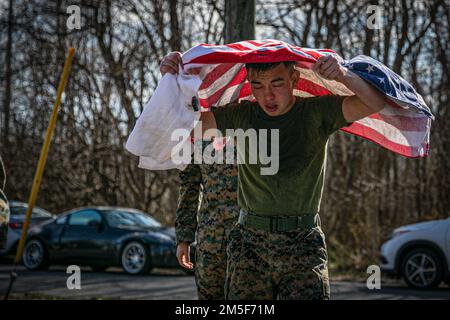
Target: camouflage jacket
(207, 197)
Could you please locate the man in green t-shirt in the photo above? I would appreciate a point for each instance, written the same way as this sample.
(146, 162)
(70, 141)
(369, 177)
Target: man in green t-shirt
(277, 249)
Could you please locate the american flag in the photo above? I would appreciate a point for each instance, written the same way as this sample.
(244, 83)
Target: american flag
(403, 126)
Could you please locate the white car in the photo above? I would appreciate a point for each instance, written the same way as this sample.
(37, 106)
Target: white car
(420, 253)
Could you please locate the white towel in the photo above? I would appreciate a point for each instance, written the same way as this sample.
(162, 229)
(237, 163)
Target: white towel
(169, 108)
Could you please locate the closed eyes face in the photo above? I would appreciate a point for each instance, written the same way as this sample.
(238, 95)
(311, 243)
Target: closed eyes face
(273, 89)
(276, 83)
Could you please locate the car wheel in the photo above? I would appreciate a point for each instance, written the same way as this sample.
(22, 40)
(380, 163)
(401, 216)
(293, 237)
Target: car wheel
(135, 258)
(35, 255)
(422, 269)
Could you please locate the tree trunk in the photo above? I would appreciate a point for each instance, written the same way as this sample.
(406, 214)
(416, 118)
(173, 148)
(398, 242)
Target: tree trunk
(8, 62)
(175, 39)
(239, 20)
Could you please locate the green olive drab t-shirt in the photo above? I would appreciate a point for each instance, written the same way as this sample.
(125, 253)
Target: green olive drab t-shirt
(296, 188)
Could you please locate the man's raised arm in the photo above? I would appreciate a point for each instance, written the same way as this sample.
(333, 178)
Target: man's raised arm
(366, 101)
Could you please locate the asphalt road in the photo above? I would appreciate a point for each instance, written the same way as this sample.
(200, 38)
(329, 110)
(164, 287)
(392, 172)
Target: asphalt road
(169, 284)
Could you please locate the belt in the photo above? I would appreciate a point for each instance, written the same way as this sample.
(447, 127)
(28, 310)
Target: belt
(278, 223)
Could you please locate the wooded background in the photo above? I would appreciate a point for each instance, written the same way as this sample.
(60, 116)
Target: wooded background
(369, 191)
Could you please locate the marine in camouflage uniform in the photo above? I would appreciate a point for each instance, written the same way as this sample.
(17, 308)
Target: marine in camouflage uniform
(277, 250)
(207, 209)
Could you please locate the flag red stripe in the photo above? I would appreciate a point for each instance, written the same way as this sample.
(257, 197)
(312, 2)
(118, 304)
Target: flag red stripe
(215, 74)
(255, 56)
(377, 138)
(312, 88)
(238, 46)
(403, 123)
(239, 78)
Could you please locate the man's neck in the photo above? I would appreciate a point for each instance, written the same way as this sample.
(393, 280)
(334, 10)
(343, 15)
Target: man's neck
(291, 104)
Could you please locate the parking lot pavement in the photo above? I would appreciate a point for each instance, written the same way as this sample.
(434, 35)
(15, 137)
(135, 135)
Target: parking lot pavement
(347, 290)
(169, 284)
(112, 284)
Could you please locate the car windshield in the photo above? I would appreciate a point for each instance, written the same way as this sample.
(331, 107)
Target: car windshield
(117, 218)
(22, 210)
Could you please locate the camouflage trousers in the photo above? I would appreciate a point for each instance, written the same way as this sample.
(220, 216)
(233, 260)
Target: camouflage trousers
(211, 259)
(277, 265)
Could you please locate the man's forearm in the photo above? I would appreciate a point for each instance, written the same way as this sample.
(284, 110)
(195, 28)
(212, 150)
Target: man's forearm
(368, 95)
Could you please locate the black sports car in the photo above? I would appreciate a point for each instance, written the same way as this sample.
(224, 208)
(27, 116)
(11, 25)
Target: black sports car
(101, 237)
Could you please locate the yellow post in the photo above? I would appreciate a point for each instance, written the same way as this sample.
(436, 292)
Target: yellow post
(43, 156)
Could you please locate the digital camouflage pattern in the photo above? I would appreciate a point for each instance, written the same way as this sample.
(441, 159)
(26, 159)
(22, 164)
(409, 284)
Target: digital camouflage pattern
(207, 211)
(277, 265)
